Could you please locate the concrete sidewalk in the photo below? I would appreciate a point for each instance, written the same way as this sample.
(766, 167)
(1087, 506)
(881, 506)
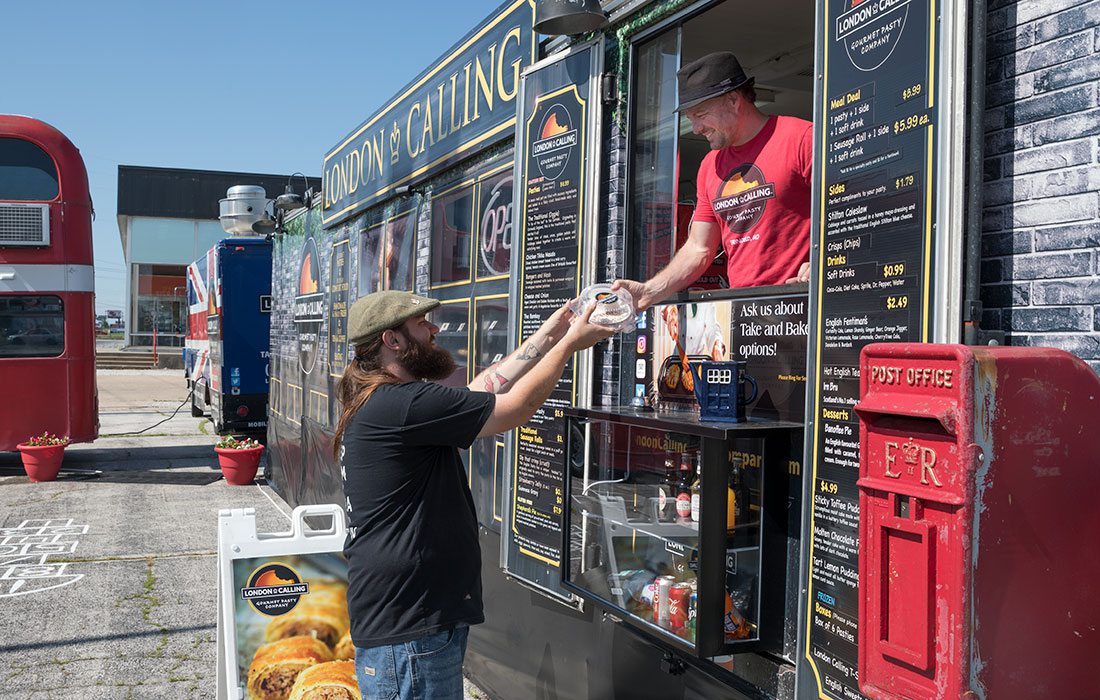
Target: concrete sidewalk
(108, 583)
(108, 575)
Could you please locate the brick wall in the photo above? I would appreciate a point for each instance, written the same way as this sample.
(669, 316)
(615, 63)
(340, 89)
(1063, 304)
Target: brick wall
(1041, 224)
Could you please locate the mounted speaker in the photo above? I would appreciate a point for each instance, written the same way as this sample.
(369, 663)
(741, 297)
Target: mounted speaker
(555, 17)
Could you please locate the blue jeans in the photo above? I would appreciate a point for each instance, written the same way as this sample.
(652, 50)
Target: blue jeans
(428, 668)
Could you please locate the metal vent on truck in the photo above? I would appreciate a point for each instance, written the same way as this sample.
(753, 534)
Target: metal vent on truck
(243, 206)
(24, 224)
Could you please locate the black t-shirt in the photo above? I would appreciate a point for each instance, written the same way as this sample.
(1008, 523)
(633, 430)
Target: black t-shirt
(414, 563)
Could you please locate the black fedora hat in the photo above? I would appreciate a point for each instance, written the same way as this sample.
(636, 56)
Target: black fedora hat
(710, 76)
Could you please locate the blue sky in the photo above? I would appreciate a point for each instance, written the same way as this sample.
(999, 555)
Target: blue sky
(242, 85)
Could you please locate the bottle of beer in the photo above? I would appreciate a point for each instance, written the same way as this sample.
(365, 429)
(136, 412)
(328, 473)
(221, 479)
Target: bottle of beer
(696, 494)
(666, 494)
(683, 489)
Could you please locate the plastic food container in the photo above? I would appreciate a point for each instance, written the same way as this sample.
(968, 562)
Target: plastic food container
(614, 309)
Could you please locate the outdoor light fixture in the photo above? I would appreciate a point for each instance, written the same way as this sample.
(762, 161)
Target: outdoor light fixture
(268, 225)
(556, 17)
(289, 200)
(405, 190)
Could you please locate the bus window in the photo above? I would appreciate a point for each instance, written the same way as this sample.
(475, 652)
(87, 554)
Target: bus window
(27, 173)
(31, 326)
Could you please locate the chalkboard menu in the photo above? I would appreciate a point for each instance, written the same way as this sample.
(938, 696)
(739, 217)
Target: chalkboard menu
(338, 290)
(876, 166)
(552, 174)
(338, 300)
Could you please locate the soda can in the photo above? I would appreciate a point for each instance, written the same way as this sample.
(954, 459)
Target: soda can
(664, 588)
(693, 613)
(649, 596)
(678, 598)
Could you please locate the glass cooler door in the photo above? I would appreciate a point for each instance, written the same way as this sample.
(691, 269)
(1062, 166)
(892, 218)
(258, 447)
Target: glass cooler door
(657, 536)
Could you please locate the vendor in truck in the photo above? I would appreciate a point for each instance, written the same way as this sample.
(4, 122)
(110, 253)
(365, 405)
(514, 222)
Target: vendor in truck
(754, 186)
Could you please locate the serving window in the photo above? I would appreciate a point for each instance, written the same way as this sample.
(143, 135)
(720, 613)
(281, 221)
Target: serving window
(774, 44)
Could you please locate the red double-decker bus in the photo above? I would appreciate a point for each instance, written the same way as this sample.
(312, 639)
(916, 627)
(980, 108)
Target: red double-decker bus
(47, 293)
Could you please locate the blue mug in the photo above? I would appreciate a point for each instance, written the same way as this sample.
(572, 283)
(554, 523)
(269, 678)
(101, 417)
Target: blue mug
(720, 389)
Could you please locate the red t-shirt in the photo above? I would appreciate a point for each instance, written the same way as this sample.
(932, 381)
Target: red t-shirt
(759, 195)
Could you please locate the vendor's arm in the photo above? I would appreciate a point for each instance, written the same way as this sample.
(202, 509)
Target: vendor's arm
(687, 265)
(499, 377)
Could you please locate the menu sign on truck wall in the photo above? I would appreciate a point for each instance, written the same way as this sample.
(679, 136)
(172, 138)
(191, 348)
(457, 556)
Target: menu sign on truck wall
(876, 168)
(553, 177)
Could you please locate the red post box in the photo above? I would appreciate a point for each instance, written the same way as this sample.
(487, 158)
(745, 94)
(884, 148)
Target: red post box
(979, 520)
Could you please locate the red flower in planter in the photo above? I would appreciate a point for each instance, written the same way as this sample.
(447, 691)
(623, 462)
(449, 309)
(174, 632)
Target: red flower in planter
(239, 459)
(42, 456)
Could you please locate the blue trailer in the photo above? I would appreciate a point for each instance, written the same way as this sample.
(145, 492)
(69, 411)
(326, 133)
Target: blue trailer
(226, 353)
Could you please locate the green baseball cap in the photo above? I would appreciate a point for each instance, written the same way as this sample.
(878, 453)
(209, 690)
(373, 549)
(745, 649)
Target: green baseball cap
(374, 313)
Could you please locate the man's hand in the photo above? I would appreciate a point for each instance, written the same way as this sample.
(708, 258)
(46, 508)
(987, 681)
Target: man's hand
(803, 274)
(643, 297)
(555, 327)
(584, 334)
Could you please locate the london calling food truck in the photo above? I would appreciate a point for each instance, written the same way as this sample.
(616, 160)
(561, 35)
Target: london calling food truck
(518, 168)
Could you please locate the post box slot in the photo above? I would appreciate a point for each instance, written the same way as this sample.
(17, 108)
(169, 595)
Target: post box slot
(906, 583)
(901, 507)
(874, 408)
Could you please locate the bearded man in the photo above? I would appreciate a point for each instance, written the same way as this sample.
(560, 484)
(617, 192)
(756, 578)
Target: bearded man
(414, 563)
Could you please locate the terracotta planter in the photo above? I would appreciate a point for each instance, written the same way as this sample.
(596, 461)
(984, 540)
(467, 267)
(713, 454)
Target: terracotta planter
(239, 466)
(42, 462)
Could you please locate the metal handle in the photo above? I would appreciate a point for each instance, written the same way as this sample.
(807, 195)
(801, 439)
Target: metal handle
(752, 398)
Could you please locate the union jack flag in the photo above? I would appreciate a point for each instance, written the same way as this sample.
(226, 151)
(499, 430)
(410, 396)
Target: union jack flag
(199, 297)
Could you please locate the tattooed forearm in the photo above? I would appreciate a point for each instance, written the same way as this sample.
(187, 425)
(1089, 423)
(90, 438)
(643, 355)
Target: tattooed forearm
(493, 381)
(528, 352)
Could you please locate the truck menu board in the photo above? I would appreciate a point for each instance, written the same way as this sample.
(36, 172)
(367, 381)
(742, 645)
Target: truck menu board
(877, 174)
(553, 177)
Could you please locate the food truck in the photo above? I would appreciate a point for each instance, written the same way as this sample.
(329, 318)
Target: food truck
(225, 358)
(631, 547)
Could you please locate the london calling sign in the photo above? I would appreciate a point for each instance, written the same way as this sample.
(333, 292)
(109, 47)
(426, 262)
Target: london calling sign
(465, 100)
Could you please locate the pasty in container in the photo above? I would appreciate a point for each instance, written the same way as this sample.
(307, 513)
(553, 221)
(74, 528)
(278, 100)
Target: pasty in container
(614, 309)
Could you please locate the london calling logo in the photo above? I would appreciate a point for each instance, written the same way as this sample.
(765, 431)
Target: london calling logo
(309, 307)
(743, 197)
(557, 140)
(274, 589)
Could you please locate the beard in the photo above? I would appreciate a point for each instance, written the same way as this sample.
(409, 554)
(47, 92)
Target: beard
(425, 361)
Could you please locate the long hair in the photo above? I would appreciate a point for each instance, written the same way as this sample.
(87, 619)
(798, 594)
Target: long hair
(363, 375)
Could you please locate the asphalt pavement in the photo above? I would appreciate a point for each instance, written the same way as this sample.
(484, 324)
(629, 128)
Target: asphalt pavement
(108, 584)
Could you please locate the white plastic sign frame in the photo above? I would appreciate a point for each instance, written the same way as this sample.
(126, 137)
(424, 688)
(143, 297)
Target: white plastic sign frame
(238, 539)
